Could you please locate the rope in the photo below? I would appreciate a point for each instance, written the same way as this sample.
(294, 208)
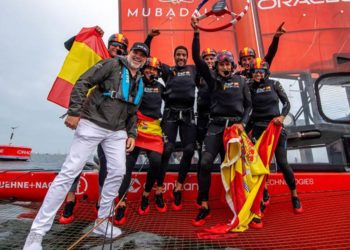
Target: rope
(114, 209)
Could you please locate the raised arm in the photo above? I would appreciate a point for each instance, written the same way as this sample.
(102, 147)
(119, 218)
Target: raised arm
(274, 44)
(202, 67)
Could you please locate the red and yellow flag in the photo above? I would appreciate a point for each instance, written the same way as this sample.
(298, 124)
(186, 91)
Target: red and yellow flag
(88, 48)
(149, 133)
(243, 174)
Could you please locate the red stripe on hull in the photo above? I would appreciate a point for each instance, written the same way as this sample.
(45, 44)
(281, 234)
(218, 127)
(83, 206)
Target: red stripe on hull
(33, 186)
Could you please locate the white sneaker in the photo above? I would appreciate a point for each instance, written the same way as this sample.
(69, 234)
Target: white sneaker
(107, 229)
(33, 241)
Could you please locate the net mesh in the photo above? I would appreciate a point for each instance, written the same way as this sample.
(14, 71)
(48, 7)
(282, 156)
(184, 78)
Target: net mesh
(323, 225)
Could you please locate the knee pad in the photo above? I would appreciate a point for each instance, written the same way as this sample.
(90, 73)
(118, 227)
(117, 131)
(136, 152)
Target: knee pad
(206, 162)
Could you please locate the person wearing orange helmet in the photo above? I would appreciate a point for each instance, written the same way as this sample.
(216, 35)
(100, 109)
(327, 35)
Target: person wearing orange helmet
(230, 106)
(247, 55)
(203, 102)
(266, 95)
(148, 118)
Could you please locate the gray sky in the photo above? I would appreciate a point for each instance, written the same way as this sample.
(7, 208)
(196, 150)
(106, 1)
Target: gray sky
(32, 53)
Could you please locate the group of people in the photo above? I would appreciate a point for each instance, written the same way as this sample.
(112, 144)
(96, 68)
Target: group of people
(118, 116)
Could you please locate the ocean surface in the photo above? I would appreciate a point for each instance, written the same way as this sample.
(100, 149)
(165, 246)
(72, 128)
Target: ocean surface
(37, 162)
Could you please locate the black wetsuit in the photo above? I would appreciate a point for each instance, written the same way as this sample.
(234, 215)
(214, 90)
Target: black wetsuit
(179, 96)
(179, 114)
(266, 96)
(151, 107)
(230, 104)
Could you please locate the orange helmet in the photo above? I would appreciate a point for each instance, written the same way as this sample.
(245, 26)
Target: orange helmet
(154, 63)
(208, 52)
(246, 52)
(260, 64)
(119, 39)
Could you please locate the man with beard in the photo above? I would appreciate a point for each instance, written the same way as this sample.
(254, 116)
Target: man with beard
(179, 96)
(106, 116)
(117, 46)
(230, 106)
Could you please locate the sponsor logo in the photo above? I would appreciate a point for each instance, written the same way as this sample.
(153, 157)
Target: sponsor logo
(135, 185)
(176, 1)
(166, 12)
(272, 4)
(82, 186)
(23, 152)
(301, 182)
(186, 187)
(24, 185)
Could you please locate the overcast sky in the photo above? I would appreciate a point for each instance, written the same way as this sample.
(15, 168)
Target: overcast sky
(32, 53)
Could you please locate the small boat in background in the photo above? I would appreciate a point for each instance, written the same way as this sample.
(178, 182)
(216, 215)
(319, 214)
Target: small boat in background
(14, 153)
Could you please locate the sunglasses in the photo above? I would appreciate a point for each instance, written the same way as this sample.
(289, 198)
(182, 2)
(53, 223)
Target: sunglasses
(261, 71)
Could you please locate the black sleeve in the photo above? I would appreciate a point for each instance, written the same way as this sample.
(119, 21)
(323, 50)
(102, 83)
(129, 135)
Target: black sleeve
(283, 97)
(166, 71)
(272, 50)
(148, 42)
(202, 67)
(247, 102)
(69, 43)
(96, 74)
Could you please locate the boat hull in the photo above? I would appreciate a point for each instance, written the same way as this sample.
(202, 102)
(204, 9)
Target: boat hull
(32, 185)
(14, 153)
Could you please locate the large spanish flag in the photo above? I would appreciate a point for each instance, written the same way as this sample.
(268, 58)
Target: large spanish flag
(88, 48)
(243, 173)
(149, 133)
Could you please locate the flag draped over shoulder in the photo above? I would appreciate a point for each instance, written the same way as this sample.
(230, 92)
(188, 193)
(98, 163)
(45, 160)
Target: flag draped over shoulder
(243, 173)
(88, 48)
(149, 133)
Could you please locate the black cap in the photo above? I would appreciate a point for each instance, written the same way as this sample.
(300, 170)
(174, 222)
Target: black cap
(142, 47)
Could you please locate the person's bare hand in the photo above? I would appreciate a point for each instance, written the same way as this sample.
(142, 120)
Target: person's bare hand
(280, 30)
(194, 24)
(130, 144)
(99, 30)
(72, 121)
(278, 120)
(240, 127)
(154, 32)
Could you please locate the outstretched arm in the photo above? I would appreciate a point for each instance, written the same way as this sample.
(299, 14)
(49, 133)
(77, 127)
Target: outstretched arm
(202, 67)
(274, 44)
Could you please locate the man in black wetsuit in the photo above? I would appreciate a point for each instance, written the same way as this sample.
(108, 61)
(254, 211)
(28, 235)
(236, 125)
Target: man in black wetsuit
(247, 55)
(180, 84)
(230, 105)
(266, 95)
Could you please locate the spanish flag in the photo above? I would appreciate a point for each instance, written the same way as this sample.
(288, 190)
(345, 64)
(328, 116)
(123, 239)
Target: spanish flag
(149, 133)
(88, 48)
(243, 173)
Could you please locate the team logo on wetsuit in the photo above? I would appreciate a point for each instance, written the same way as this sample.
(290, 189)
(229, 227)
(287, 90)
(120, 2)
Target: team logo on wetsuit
(184, 73)
(151, 90)
(263, 89)
(229, 85)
